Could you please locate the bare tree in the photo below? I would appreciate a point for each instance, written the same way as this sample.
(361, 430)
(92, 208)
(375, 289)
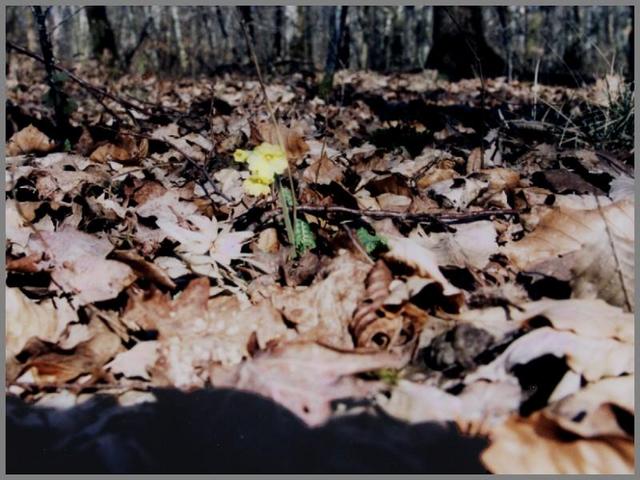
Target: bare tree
(338, 19)
(102, 37)
(459, 47)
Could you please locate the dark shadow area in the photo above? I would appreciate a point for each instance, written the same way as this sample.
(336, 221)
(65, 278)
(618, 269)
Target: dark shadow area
(224, 431)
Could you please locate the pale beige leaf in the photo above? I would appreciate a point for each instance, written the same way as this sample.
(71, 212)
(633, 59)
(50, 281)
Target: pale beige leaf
(306, 377)
(594, 358)
(135, 362)
(323, 310)
(589, 318)
(78, 264)
(590, 412)
(26, 319)
(470, 245)
(534, 445)
(29, 140)
(481, 401)
(600, 243)
(423, 260)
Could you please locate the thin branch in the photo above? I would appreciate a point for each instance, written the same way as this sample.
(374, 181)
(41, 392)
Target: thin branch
(187, 157)
(94, 90)
(441, 217)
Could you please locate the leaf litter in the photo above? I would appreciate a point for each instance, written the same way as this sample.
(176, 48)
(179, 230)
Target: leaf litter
(487, 283)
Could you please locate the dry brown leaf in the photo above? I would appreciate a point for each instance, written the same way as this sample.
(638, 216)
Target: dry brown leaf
(124, 151)
(195, 332)
(593, 358)
(293, 139)
(306, 377)
(86, 358)
(536, 445)
(29, 140)
(474, 162)
(78, 264)
(144, 268)
(323, 171)
(323, 310)
(422, 260)
(268, 241)
(596, 246)
(26, 319)
(369, 326)
(594, 410)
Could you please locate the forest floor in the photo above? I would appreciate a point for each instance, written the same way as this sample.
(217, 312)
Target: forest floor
(449, 252)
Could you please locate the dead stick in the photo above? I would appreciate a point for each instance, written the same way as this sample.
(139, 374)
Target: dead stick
(435, 216)
(187, 157)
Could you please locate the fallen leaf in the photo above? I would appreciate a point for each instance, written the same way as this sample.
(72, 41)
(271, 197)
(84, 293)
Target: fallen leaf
(323, 171)
(472, 244)
(292, 139)
(306, 377)
(323, 310)
(144, 268)
(422, 260)
(124, 151)
(78, 264)
(29, 140)
(535, 445)
(594, 358)
(596, 246)
(594, 411)
(136, 362)
(26, 319)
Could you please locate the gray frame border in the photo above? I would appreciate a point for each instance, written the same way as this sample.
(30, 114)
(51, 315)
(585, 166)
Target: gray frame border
(271, 3)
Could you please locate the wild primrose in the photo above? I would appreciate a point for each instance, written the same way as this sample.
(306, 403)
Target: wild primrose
(265, 162)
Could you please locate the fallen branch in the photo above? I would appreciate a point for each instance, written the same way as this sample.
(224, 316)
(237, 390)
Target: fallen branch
(441, 217)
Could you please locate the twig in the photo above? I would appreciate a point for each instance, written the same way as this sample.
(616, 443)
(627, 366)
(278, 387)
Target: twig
(187, 157)
(442, 217)
(92, 89)
(357, 244)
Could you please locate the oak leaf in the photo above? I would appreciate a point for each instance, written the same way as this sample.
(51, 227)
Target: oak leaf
(29, 140)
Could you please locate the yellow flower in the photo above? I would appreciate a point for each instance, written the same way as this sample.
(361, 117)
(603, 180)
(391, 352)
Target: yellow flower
(261, 168)
(256, 187)
(240, 156)
(273, 154)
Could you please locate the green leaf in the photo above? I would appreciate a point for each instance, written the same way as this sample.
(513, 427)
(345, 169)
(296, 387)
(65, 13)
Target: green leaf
(287, 196)
(60, 77)
(70, 106)
(304, 237)
(371, 243)
(67, 145)
(390, 376)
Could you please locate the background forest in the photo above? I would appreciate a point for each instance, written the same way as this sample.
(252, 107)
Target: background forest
(565, 44)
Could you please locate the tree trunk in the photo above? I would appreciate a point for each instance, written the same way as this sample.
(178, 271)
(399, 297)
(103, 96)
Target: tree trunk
(177, 32)
(277, 38)
(55, 95)
(459, 48)
(630, 48)
(102, 37)
(338, 18)
(505, 25)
